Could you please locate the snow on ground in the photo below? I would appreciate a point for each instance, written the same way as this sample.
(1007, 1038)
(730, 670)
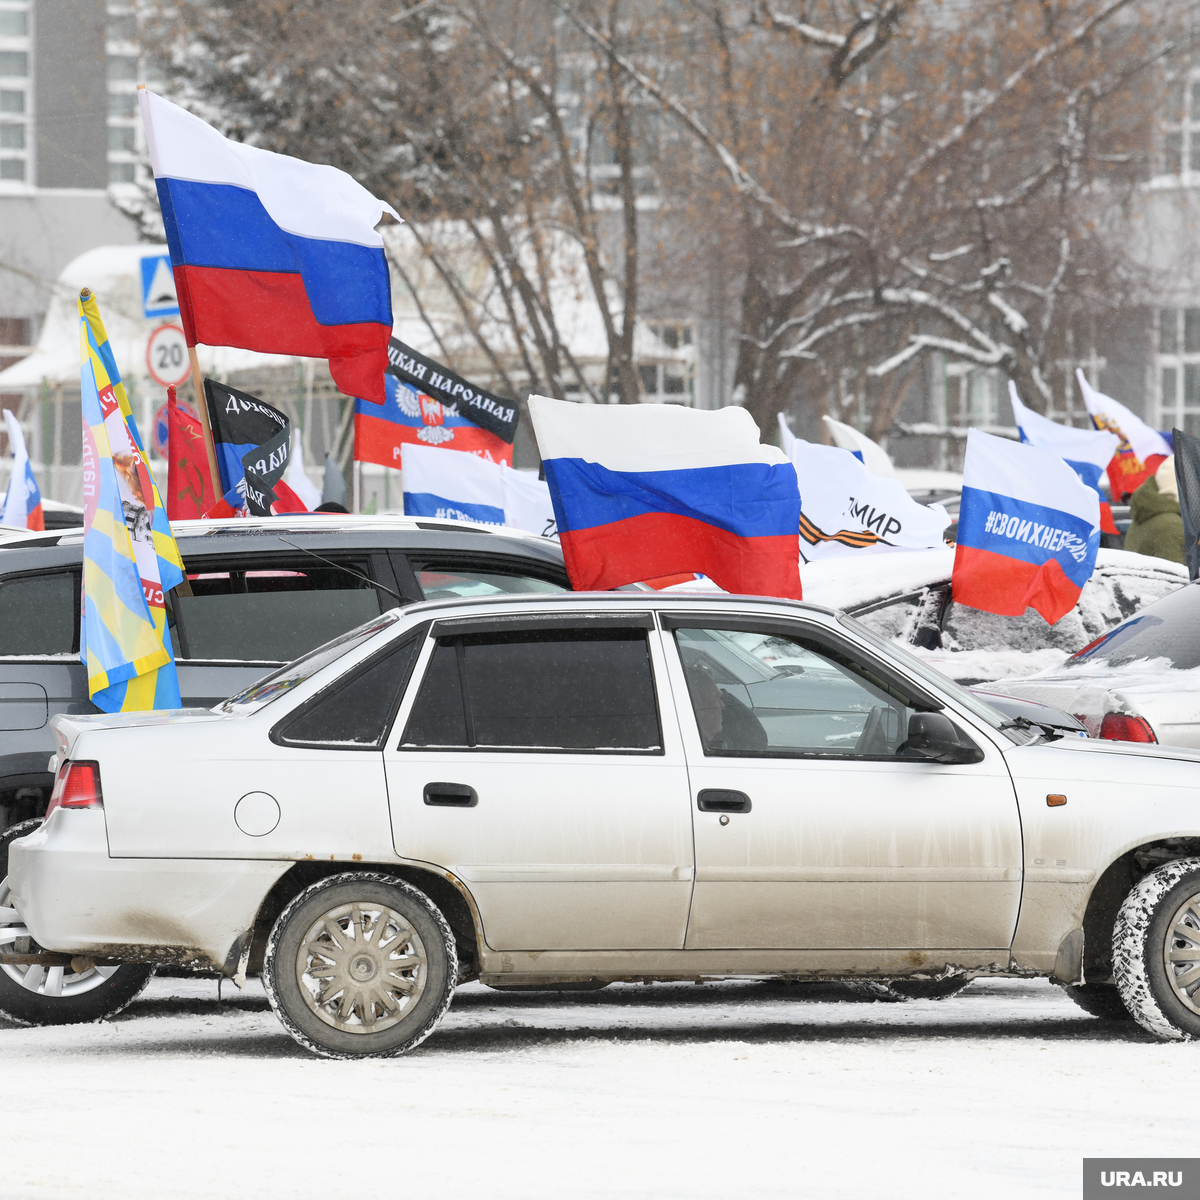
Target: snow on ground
(716, 1090)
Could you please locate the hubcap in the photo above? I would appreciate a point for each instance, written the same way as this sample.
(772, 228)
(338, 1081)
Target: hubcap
(53, 982)
(361, 968)
(1181, 953)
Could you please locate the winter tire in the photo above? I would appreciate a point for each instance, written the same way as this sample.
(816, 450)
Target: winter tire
(37, 995)
(1156, 951)
(1101, 1000)
(360, 965)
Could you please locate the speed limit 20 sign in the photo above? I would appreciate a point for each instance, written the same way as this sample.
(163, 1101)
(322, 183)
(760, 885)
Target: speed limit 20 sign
(167, 356)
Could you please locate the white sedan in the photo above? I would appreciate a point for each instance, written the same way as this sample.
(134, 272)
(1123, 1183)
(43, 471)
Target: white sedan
(559, 789)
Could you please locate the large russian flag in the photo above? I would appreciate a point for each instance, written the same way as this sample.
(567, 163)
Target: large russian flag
(1028, 530)
(271, 253)
(642, 491)
(409, 417)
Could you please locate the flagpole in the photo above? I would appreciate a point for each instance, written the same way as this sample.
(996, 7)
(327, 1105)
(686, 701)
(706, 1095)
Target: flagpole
(202, 413)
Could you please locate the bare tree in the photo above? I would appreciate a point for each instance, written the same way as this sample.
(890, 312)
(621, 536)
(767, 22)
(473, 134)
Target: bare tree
(919, 179)
(883, 181)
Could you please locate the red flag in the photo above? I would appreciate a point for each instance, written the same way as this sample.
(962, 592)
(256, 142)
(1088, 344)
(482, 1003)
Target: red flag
(188, 486)
(286, 500)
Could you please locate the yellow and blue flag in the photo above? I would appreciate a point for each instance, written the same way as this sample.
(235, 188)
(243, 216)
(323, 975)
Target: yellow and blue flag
(130, 559)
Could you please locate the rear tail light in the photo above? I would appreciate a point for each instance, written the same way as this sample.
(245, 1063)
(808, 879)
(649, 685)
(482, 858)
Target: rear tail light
(77, 786)
(1122, 727)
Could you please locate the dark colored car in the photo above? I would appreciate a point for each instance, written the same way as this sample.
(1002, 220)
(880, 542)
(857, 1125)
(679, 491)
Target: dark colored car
(258, 594)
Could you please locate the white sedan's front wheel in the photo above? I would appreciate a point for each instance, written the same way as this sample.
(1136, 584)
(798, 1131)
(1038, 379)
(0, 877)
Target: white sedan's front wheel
(34, 994)
(1156, 951)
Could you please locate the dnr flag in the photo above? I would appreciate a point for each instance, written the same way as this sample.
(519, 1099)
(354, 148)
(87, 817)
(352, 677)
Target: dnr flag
(496, 415)
(412, 417)
(253, 444)
(130, 560)
(1028, 530)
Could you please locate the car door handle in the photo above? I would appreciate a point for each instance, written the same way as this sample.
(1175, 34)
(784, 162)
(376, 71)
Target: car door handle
(720, 800)
(451, 795)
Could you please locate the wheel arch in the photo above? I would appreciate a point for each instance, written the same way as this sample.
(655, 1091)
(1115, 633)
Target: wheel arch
(1113, 885)
(446, 891)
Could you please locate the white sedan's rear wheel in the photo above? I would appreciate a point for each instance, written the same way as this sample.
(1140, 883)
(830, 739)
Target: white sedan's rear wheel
(33, 994)
(1156, 951)
(360, 965)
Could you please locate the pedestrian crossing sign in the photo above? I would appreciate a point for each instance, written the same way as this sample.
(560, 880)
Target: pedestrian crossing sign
(159, 298)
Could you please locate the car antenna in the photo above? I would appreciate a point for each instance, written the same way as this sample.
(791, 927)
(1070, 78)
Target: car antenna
(341, 567)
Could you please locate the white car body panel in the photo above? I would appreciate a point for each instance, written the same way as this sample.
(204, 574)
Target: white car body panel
(852, 855)
(1120, 795)
(563, 851)
(880, 868)
(83, 901)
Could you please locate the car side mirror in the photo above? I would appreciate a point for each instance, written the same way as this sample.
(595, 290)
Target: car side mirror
(931, 735)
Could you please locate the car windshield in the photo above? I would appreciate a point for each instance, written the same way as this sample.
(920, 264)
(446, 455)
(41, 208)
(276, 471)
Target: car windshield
(272, 686)
(992, 717)
(1167, 629)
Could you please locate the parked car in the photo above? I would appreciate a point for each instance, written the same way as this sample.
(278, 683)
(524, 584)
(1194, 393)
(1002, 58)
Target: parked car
(908, 597)
(1138, 682)
(595, 787)
(259, 594)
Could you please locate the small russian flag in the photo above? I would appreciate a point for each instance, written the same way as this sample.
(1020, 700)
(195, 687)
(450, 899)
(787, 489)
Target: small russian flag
(1028, 530)
(646, 490)
(1086, 451)
(23, 500)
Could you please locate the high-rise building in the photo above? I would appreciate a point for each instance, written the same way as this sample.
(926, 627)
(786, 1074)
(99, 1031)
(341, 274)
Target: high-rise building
(68, 77)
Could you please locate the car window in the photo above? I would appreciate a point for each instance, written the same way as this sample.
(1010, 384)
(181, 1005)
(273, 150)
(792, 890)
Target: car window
(39, 614)
(587, 690)
(272, 613)
(353, 714)
(770, 694)
(278, 683)
(441, 583)
(439, 716)
(1168, 629)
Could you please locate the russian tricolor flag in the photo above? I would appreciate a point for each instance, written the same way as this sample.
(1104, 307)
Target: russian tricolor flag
(270, 253)
(1028, 530)
(23, 500)
(1086, 451)
(642, 491)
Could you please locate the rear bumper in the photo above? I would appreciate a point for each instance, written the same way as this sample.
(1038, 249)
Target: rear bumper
(77, 900)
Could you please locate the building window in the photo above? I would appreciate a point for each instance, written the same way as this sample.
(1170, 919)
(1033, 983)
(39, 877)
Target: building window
(16, 94)
(1181, 125)
(125, 136)
(672, 378)
(1179, 369)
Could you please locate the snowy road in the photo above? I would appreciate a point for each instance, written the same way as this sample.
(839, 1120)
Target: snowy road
(717, 1090)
